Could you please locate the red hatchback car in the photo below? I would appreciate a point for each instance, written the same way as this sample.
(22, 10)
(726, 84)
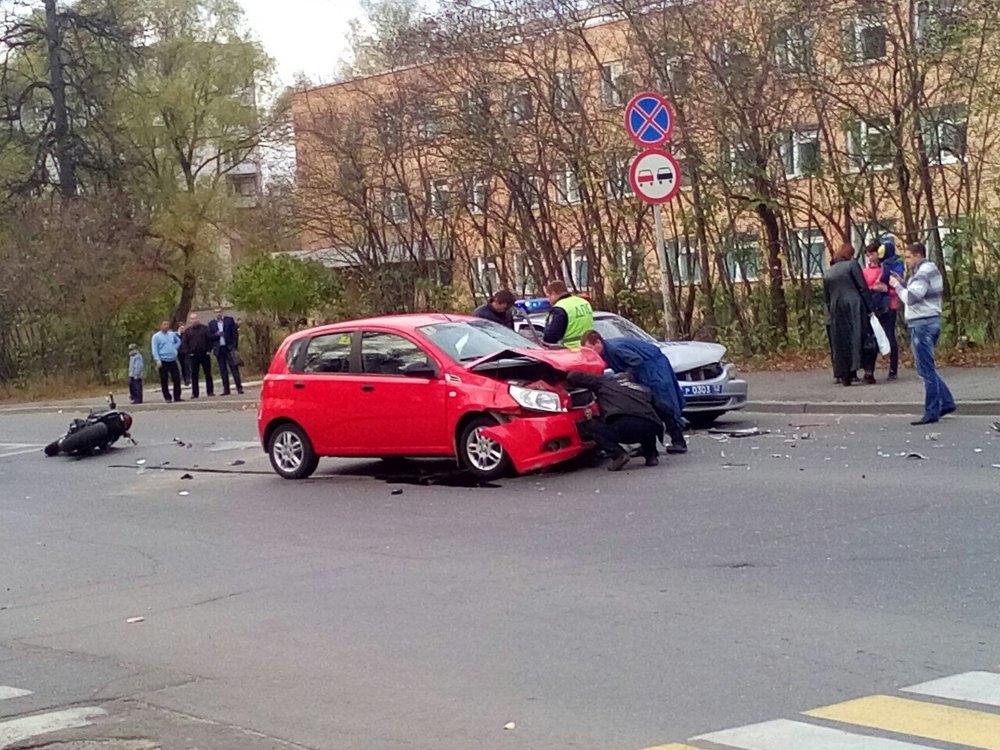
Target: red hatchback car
(422, 385)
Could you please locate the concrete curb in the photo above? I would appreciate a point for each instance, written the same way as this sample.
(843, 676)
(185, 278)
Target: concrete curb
(967, 408)
(214, 404)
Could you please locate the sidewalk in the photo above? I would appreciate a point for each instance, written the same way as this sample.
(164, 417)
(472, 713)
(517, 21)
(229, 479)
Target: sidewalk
(976, 390)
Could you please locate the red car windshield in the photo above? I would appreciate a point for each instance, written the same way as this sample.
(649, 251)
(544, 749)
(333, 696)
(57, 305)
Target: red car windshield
(467, 341)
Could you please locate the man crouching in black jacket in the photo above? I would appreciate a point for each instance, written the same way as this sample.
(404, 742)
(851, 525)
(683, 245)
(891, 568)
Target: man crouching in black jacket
(627, 416)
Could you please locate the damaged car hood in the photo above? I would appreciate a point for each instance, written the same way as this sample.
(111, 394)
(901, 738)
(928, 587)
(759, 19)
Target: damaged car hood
(687, 355)
(584, 360)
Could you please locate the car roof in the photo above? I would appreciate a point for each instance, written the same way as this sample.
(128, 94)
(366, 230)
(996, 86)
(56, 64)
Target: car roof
(409, 322)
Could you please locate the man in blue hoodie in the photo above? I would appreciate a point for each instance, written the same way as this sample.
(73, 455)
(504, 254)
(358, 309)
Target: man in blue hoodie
(164, 345)
(650, 367)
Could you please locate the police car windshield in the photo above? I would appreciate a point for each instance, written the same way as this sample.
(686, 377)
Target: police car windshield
(468, 341)
(614, 327)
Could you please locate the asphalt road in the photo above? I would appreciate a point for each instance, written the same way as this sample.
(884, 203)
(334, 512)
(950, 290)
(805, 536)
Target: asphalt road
(751, 580)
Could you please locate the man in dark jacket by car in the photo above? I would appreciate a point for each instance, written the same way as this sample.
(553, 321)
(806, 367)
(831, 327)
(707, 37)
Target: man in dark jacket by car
(197, 342)
(500, 309)
(627, 416)
(648, 366)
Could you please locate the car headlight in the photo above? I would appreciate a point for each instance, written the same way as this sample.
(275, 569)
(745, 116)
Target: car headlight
(536, 400)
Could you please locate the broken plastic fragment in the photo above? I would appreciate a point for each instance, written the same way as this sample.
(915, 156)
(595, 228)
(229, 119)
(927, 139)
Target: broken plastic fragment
(133, 620)
(509, 725)
(916, 457)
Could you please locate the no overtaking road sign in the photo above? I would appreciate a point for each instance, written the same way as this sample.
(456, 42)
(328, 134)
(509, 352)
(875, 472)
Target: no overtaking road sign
(655, 176)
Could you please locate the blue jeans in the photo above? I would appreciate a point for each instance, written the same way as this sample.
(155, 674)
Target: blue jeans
(924, 335)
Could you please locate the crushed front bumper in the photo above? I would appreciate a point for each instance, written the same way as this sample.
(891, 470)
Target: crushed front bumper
(534, 442)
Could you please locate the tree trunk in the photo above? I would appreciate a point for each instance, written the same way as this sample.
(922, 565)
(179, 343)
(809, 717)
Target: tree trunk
(188, 286)
(776, 280)
(60, 116)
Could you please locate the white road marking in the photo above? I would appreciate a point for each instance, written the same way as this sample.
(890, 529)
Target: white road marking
(18, 730)
(7, 692)
(16, 449)
(974, 687)
(782, 734)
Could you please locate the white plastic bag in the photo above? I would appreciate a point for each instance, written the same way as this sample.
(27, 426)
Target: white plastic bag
(880, 337)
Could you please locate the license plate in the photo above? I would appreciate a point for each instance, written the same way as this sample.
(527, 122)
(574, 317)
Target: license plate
(701, 390)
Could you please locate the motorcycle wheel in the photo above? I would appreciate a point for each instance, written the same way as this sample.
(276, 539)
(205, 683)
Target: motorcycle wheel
(86, 439)
(52, 449)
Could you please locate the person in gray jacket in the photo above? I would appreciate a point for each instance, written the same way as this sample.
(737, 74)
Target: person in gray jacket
(923, 293)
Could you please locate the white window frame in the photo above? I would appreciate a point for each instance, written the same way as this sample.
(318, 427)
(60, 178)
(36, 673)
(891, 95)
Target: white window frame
(859, 24)
(520, 102)
(567, 186)
(859, 152)
(930, 16)
(794, 49)
(866, 233)
(619, 186)
(439, 194)
(396, 205)
(936, 121)
(736, 245)
(687, 264)
(671, 72)
(478, 196)
(805, 240)
(566, 93)
(792, 158)
(485, 278)
(612, 78)
(736, 155)
(579, 269)
(945, 230)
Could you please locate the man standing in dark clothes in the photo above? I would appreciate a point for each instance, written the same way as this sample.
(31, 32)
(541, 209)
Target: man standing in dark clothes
(500, 309)
(627, 416)
(225, 342)
(650, 367)
(198, 343)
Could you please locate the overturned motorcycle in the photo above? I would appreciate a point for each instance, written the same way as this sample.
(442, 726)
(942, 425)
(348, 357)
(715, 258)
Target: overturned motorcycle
(96, 433)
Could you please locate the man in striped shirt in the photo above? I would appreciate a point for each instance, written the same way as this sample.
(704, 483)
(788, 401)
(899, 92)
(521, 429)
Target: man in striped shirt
(922, 294)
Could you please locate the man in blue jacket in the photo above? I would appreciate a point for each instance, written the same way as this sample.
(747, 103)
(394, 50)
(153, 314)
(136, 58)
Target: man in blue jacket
(650, 367)
(164, 345)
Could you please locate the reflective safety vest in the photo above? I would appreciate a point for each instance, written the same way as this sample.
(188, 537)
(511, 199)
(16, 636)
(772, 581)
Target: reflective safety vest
(580, 319)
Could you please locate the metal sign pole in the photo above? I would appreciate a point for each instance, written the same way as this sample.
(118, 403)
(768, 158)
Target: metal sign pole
(661, 254)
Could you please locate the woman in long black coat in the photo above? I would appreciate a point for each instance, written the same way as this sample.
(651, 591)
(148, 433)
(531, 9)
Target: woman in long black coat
(848, 308)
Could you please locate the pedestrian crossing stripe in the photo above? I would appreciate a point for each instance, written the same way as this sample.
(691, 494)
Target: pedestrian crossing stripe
(970, 687)
(18, 730)
(912, 720)
(7, 692)
(960, 726)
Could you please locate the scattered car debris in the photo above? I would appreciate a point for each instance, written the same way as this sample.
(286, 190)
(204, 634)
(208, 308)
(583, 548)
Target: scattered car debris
(977, 450)
(996, 466)
(134, 620)
(933, 436)
(800, 425)
(183, 493)
(141, 461)
(746, 432)
(916, 457)
(237, 462)
(397, 492)
(735, 466)
(510, 725)
(996, 426)
(186, 476)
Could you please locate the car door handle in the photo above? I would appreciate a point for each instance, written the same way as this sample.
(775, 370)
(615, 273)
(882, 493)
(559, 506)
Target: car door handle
(368, 388)
(300, 385)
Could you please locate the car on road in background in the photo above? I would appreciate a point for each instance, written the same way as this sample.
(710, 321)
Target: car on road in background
(422, 386)
(711, 385)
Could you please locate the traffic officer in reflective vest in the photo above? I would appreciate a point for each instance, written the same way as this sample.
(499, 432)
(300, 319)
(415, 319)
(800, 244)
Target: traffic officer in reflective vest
(570, 318)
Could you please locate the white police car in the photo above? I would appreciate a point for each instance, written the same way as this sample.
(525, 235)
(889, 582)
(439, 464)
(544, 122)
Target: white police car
(710, 384)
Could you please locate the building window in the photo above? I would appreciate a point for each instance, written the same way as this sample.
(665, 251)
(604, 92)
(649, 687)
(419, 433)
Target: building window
(865, 233)
(485, 279)
(388, 127)
(524, 283)
(954, 239)
(473, 105)
(429, 125)
(478, 195)
(619, 185)
(612, 85)
(520, 103)
(865, 39)
(565, 93)
(567, 186)
(243, 185)
(396, 206)
(579, 269)
(794, 49)
(730, 58)
(869, 144)
(743, 257)
(800, 152)
(440, 198)
(934, 19)
(685, 261)
(736, 161)
(630, 264)
(945, 132)
(808, 253)
(671, 73)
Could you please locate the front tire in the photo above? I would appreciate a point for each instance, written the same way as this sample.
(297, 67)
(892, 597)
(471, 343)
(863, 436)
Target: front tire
(292, 455)
(52, 449)
(482, 457)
